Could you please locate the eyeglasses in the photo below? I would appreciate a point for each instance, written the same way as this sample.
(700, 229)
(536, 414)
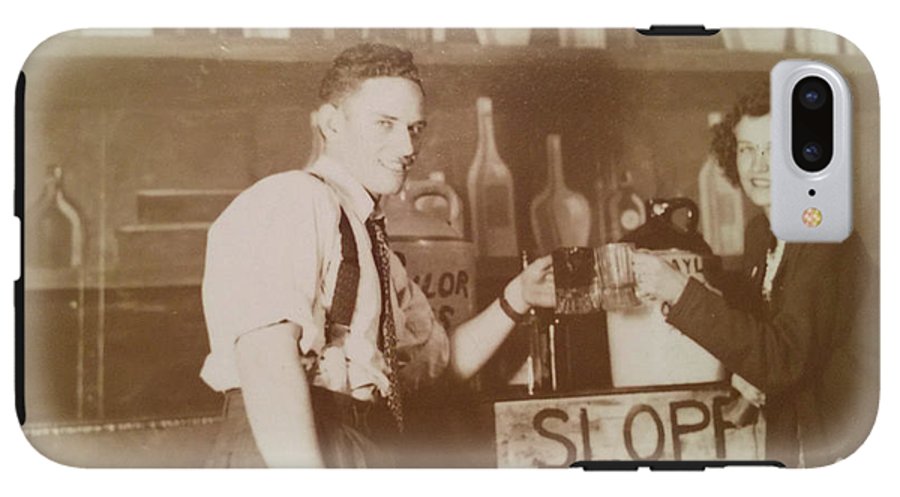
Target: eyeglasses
(747, 151)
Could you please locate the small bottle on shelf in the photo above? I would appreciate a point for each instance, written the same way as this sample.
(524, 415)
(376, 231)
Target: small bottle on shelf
(626, 209)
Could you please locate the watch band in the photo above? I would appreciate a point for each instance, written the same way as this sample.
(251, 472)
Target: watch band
(513, 314)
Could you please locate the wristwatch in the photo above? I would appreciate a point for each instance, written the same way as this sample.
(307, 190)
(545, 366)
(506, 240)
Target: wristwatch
(513, 314)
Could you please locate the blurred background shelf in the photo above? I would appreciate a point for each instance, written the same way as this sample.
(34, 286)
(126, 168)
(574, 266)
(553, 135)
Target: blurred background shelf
(620, 50)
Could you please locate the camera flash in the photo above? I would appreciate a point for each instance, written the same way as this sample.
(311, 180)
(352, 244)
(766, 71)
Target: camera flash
(812, 217)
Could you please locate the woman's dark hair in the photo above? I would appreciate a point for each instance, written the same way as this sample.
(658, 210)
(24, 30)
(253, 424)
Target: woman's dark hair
(365, 61)
(754, 103)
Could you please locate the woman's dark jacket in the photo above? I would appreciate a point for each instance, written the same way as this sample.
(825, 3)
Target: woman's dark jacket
(812, 348)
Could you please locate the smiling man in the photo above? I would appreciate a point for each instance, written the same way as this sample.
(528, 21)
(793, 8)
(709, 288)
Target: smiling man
(316, 332)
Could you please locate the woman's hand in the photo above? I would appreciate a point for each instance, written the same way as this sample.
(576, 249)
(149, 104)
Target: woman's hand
(533, 287)
(657, 279)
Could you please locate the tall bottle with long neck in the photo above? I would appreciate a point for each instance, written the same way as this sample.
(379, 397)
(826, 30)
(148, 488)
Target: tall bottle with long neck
(491, 196)
(560, 217)
(54, 233)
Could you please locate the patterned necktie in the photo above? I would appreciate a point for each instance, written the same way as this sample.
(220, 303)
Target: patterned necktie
(388, 331)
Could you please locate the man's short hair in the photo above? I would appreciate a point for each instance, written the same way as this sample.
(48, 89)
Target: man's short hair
(365, 61)
(754, 103)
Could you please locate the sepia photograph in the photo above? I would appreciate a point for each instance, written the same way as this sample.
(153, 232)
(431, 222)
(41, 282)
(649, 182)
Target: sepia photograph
(435, 247)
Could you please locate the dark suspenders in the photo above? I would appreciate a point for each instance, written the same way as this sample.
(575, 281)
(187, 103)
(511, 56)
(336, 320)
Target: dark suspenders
(337, 322)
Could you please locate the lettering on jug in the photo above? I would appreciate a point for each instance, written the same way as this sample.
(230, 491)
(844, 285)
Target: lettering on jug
(688, 264)
(445, 285)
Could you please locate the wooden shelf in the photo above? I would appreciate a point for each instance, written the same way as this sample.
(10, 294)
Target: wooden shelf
(300, 50)
(112, 278)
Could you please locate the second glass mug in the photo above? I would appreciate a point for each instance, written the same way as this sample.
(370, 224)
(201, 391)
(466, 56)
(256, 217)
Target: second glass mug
(617, 276)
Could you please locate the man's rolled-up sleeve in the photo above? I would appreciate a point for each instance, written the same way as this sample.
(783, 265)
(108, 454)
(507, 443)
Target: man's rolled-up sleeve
(263, 262)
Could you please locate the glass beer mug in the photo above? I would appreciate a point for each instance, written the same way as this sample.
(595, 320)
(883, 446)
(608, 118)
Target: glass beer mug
(577, 280)
(619, 286)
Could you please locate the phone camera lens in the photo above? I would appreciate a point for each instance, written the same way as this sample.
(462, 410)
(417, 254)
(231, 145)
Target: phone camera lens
(811, 97)
(812, 152)
(813, 94)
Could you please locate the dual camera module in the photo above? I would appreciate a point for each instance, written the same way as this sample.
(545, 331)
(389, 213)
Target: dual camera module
(812, 123)
(811, 164)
